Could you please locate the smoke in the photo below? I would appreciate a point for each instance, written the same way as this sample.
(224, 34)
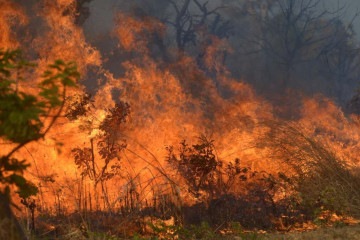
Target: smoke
(127, 52)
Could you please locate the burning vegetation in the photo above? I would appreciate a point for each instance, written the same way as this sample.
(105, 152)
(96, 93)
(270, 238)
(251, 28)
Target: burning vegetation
(176, 119)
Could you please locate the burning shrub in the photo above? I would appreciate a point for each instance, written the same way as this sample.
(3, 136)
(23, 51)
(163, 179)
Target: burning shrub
(321, 180)
(197, 165)
(108, 149)
(216, 184)
(202, 171)
(79, 105)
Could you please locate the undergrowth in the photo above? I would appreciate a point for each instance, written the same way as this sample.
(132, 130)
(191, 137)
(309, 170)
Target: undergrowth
(229, 198)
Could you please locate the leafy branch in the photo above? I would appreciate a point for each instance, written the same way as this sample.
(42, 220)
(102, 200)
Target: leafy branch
(24, 114)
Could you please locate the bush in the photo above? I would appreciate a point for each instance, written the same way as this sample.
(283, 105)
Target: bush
(319, 178)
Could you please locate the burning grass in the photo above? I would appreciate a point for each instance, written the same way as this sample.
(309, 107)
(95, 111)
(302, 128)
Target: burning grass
(208, 200)
(130, 165)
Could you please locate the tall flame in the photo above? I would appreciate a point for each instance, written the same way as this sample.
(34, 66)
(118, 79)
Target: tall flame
(169, 101)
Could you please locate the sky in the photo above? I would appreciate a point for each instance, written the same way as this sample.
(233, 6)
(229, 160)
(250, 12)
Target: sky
(102, 11)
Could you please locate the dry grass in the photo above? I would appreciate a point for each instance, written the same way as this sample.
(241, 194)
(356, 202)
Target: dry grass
(318, 186)
(319, 176)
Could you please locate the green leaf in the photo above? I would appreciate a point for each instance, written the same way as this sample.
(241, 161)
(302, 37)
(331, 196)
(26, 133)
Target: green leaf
(22, 113)
(27, 190)
(17, 179)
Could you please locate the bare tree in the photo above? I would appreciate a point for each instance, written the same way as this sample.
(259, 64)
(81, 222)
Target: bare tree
(297, 31)
(193, 18)
(341, 60)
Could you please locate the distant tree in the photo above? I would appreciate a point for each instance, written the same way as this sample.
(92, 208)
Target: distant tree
(340, 61)
(194, 23)
(190, 24)
(296, 46)
(297, 31)
(26, 117)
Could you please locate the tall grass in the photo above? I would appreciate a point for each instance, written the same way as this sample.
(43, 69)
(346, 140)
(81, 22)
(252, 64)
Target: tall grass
(319, 176)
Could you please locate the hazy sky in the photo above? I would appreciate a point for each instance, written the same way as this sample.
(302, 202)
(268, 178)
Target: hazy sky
(101, 17)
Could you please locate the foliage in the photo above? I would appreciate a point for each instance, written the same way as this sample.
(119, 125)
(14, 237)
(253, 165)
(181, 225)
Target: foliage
(203, 171)
(115, 117)
(100, 161)
(196, 164)
(24, 116)
(204, 231)
(108, 147)
(78, 105)
(21, 112)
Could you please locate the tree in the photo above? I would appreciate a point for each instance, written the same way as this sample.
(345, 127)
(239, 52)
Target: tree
(194, 19)
(298, 32)
(26, 117)
(190, 25)
(341, 63)
(104, 166)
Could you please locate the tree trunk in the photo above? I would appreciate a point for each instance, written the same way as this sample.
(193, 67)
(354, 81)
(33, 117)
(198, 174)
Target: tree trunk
(10, 228)
(106, 197)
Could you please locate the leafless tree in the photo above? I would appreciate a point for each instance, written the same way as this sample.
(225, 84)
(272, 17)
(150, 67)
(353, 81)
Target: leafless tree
(193, 18)
(297, 31)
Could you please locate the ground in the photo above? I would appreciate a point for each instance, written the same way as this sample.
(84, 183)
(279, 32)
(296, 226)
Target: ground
(341, 232)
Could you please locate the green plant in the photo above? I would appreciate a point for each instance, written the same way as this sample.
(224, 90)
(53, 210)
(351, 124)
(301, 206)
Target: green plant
(101, 236)
(236, 228)
(339, 224)
(27, 116)
(163, 231)
(202, 231)
(139, 237)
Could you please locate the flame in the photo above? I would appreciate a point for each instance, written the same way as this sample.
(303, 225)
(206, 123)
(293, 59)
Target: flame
(60, 38)
(169, 101)
(11, 15)
(133, 33)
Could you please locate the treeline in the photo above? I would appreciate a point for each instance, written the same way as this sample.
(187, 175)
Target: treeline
(278, 46)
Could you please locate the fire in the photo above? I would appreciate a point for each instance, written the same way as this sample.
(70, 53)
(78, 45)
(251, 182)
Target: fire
(133, 33)
(169, 101)
(11, 15)
(59, 37)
